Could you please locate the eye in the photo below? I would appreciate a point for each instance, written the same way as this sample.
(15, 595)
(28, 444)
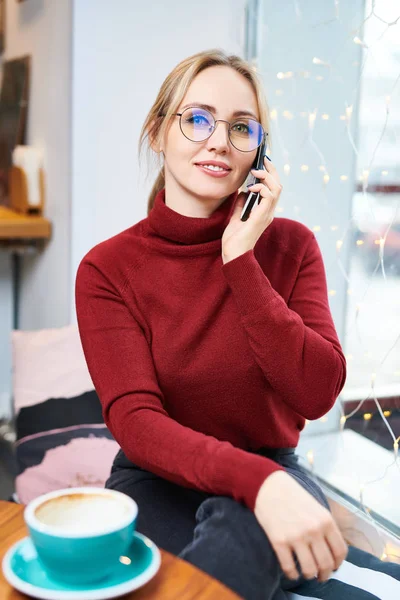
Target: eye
(242, 128)
(198, 120)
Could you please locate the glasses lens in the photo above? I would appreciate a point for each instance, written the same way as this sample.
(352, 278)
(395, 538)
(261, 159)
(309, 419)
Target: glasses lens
(246, 134)
(197, 124)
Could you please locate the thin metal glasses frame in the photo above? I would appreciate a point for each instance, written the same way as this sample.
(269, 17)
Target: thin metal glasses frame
(230, 124)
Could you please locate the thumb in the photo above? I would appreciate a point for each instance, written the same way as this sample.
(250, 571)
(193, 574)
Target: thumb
(240, 201)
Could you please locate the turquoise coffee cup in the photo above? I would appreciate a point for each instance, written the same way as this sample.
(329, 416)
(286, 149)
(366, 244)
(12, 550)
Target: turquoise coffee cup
(80, 533)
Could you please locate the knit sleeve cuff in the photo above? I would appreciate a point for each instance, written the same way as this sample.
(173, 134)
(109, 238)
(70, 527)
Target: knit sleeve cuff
(247, 472)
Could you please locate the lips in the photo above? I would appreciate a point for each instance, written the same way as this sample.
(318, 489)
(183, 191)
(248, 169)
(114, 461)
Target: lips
(214, 163)
(216, 173)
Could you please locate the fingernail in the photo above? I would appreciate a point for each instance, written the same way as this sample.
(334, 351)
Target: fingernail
(268, 157)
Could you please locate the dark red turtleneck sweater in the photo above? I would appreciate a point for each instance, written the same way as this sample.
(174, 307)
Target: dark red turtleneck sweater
(197, 362)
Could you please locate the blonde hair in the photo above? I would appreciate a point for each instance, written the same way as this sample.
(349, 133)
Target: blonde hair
(174, 89)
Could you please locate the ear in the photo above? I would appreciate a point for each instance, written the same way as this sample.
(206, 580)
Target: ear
(155, 144)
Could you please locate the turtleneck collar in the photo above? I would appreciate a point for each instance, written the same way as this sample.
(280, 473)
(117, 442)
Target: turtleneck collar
(173, 226)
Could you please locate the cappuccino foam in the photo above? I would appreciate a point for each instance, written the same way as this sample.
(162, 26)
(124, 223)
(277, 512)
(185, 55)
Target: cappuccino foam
(83, 513)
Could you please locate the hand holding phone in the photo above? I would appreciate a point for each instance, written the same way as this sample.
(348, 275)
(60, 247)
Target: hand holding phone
(254, 197)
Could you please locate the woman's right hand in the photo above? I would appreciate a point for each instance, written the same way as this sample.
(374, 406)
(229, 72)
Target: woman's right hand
(294, 521)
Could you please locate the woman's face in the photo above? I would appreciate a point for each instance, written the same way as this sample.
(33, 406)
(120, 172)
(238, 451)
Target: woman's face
(228, 92)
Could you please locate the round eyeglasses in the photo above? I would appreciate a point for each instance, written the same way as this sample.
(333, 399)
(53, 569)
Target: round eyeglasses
(198, 124)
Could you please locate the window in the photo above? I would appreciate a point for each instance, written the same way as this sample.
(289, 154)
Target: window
(330, 72)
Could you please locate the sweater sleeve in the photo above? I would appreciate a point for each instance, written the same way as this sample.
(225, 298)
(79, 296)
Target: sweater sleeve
(122, 370)
(295, 344)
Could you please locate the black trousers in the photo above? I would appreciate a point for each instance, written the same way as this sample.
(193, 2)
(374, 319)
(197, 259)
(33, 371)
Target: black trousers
(223, 537)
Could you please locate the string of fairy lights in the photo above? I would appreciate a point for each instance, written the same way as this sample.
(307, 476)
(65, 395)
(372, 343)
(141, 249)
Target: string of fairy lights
(356, 35)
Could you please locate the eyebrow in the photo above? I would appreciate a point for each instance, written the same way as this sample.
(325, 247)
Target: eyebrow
(237, 113)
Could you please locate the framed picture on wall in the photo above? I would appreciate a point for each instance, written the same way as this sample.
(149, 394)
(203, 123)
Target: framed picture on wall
(2, 25)
(14, 97)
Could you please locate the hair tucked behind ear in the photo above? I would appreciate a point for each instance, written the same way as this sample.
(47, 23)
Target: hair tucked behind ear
(174, 89)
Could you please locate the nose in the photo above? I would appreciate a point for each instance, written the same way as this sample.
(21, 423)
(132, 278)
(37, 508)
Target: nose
(219, 139)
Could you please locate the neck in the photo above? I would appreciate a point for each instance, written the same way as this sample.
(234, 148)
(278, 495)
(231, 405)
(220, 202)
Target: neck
(170, 224)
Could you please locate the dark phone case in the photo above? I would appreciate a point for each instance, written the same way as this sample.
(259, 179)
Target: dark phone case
(254, 197)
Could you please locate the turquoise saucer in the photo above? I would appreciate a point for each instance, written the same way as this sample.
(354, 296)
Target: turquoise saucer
(23, 570)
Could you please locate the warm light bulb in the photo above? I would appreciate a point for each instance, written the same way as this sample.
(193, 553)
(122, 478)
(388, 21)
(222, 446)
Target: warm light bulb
(310, 457)
(359, 242)
(287, 114)
(286, 169)
(317, 228)
(387, 413)
(273, 114)
(311, 119)
(339, 244)
(325, 117)
(326, 178)
(349, 111)
(367, 416)
(344, 177)
(318, 61)
(357, 40)
(332, 292)
(304, 168)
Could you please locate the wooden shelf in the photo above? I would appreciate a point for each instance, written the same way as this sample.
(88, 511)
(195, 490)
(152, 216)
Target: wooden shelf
(18, 226)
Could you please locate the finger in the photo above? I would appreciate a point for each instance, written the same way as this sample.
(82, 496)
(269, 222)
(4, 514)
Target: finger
(240, 200)
(338, 546)
(255, 187)
(286, 560)
(269, 164)
(265, 192)
(265, 176)
(324, 558)
(306, 559)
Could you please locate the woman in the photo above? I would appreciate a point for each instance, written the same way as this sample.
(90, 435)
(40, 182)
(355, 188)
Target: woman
(210, 340)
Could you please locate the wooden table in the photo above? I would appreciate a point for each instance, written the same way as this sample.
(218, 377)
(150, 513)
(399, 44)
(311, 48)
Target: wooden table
(176, 579)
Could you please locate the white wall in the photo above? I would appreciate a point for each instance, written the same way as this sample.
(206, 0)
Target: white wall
(122, 51)
(97, 67)
(42, 28)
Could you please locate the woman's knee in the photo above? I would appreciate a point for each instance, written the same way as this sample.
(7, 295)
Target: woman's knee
(230, 545)
(228, 519)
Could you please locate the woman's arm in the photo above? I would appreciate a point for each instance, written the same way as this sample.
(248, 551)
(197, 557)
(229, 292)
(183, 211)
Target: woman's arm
(295, 344)
(122, 369)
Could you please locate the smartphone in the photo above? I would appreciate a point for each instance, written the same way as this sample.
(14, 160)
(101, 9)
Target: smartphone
(254, 197)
